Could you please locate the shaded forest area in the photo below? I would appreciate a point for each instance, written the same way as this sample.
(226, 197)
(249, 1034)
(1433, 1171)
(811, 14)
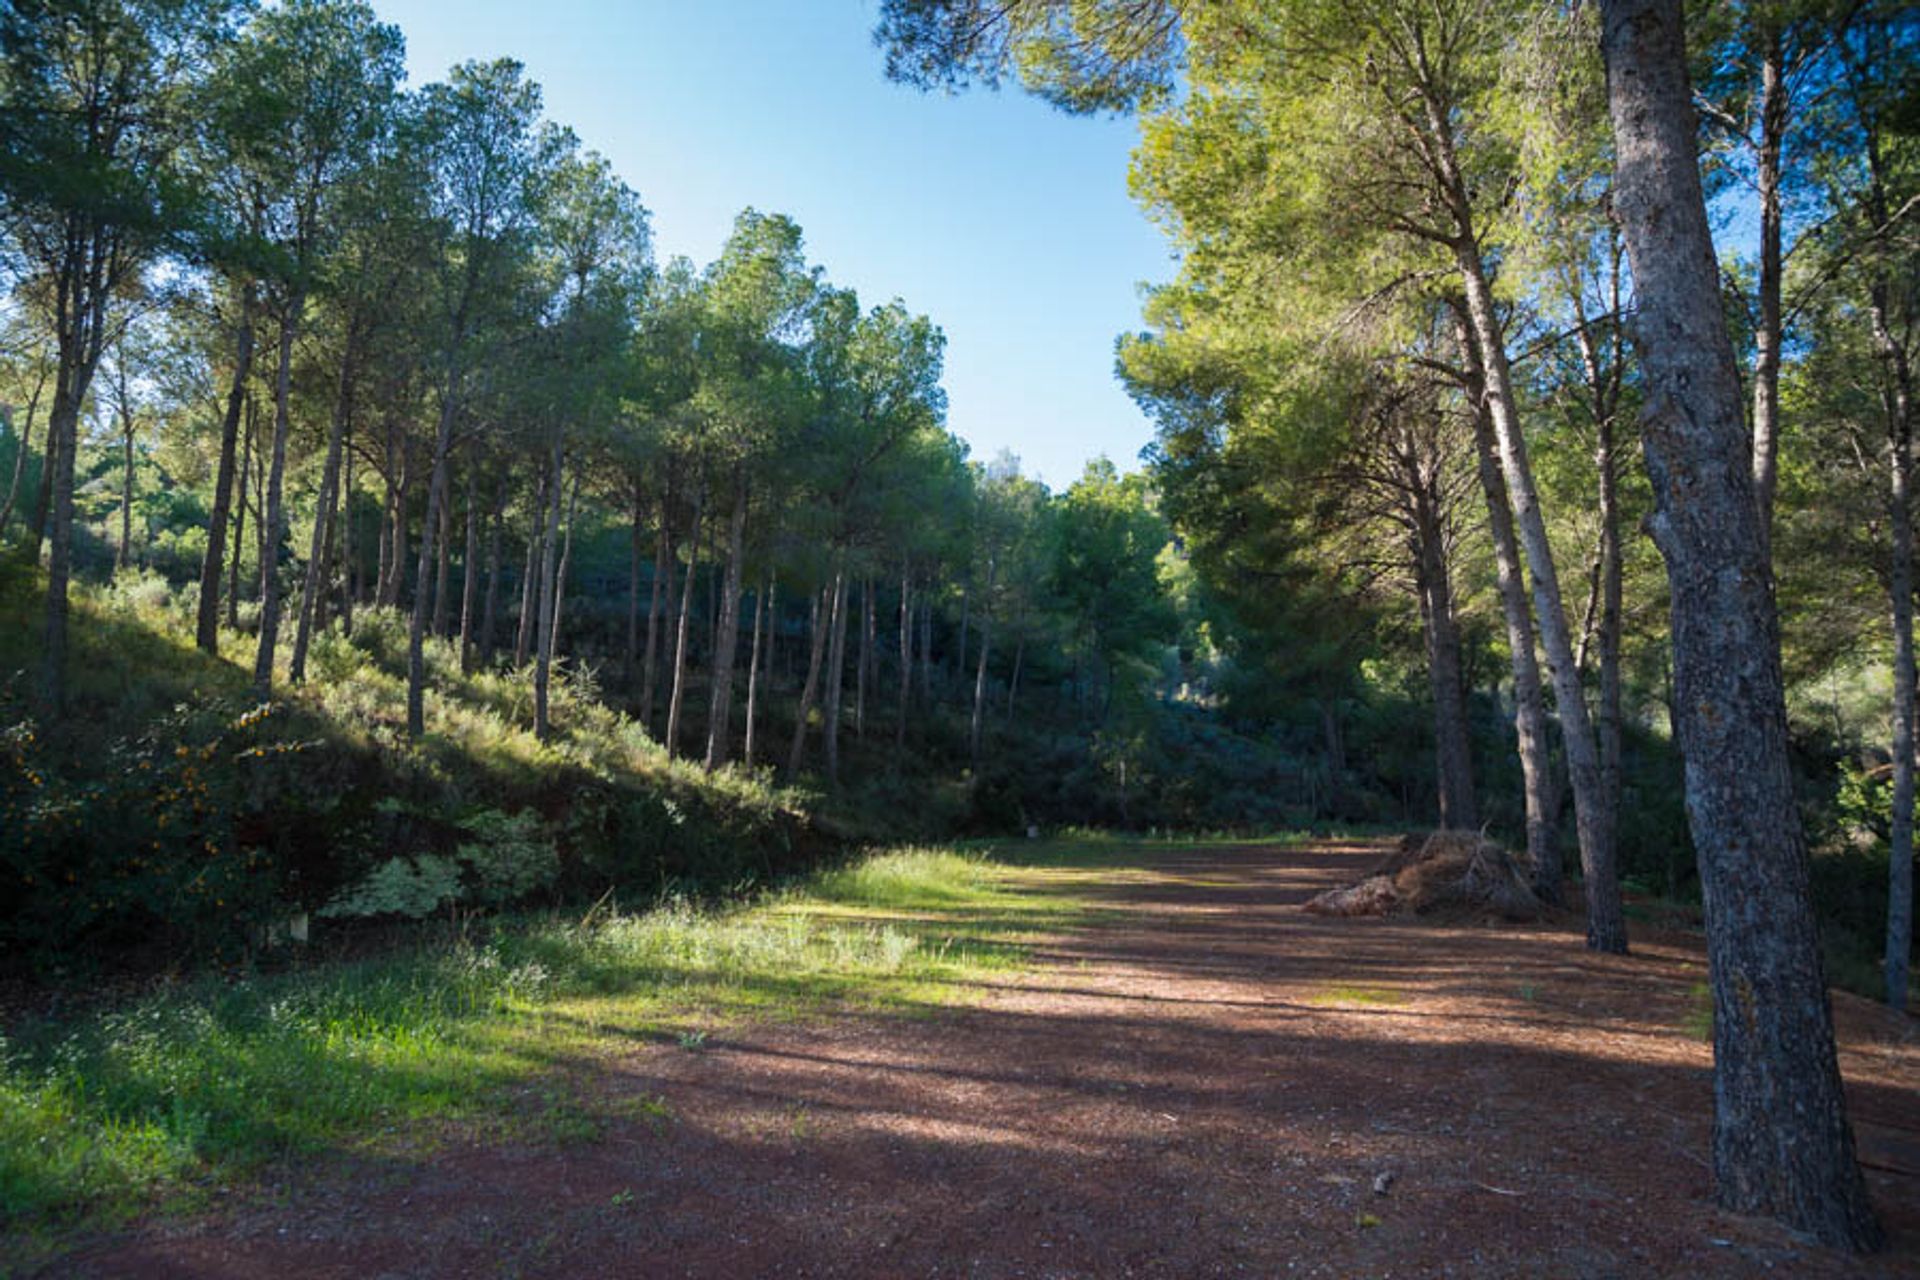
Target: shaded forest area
(389, 533)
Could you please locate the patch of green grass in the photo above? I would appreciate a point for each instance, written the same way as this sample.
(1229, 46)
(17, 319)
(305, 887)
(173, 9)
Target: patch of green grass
(105, 1114)
(1698, 1021)
(1372, 996)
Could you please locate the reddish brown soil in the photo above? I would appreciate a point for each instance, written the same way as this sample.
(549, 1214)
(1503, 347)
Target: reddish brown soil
(1208, 1081)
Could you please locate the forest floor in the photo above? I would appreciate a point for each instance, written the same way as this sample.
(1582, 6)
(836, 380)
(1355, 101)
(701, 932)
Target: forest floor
(1199, 1079)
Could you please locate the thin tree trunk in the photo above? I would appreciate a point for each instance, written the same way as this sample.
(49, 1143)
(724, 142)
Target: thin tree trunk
(530, 578)
(836, 672)
(865, 660)
(63, 428)
(975, 732)
(544, 625)
(26, 442)
(760, 603)
(816, 655)
(906, 661)
(1529, 706)
(720, 703)
(274, 521)
(240, 519)
(122, 553)
(677, 698)
(1900, 592)
(316, 579)
(662, 592)
(566, 564)
(206, 631)
(470, 572)
(490, 612)
(1453, 753)
(442, 559)
(1593, 816)
(1767, 330)
(631, 653)
(349, 551)
(1781, 1143)
(926, 646)
(436, 498)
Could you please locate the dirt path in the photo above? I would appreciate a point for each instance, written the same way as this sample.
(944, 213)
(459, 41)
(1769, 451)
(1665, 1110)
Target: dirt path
(1206, 1082)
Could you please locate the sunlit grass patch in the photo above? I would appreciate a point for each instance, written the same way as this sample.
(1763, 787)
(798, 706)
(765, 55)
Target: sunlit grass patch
(102, 1115)
(1380, 997)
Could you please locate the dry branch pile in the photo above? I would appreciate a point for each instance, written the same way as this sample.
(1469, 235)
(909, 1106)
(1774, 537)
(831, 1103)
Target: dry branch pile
(1457, 871)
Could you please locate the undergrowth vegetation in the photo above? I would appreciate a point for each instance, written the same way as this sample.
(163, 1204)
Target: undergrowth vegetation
(175, 1093)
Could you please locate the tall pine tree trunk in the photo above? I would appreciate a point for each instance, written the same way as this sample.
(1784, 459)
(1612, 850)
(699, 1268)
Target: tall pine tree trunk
(1594, 818)
(1781, 1144)
(530, 576)
(566, 566)
(490, 612)
(677, 698)
(1453, 753)
(1529, 704)
(274, 517)
(470, 572)
(206, 631)
(1768, 330)
(662, 593)
(315, 583)
(240, 519)
(720, 702)
(549, 608)
(26, 444)
(816, 656)
(836, 672)
(761, 604)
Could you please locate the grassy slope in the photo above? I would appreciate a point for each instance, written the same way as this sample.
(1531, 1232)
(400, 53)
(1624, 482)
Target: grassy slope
(162, 1099)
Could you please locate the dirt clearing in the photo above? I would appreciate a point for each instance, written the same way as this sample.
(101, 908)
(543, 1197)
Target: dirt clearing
(1205, 1081)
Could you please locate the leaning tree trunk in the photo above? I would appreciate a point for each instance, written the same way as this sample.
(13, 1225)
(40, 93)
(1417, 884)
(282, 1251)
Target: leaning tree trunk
(816, 655)
(1593, 816)
(26, 441)
(530, 576)
(677, 697)
(1781, 1144)
(274, 517)
(1529, 707)
(976, 727)
(760, 604)
(240, 519)
(566, 565)
(720, 702)
(316, 576)
(544, 624)
(206, 631)
(836, 671)
(436, 496)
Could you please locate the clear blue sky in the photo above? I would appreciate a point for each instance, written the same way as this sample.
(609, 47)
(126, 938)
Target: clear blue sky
(1005, 221)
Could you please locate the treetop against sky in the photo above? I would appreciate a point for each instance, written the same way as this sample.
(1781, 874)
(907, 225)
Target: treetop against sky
(1006, 222)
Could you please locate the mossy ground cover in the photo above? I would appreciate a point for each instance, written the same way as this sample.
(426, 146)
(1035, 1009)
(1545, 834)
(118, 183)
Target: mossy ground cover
(159, 1100)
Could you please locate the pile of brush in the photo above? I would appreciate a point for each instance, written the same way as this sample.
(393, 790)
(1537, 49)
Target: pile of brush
(1457, 872)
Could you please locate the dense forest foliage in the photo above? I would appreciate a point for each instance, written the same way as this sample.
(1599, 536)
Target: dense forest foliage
(388, 531)
(382, 394)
